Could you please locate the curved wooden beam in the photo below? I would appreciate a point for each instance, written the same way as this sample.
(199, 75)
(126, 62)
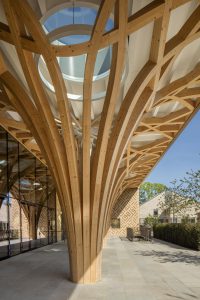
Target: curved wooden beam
(88, 170)
(98, 30)
(114, 83)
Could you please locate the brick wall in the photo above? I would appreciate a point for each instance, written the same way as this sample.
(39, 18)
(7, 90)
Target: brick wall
(14, 210)
(43, 224)
(15, 219)
(127, 210)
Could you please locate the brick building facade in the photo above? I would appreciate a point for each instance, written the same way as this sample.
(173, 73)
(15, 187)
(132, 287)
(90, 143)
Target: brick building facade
(126, 211)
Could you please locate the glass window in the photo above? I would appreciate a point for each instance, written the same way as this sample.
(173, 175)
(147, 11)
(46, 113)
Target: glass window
(115, 223)
(155, 212)
(27, 200)
(14, 197)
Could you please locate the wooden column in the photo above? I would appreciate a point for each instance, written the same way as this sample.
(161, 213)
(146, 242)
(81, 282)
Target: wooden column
(90, 177)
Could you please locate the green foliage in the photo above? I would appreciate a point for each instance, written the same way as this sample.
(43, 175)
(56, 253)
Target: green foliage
(178, 198)
(151, 220)
(191, 185)
(185, 219)
(149, 190)
(186, 235)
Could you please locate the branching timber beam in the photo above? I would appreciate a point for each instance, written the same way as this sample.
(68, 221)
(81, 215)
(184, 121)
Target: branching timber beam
(185, 80)
(189, 93)
(158, 43)
(137, 21)
(103, 15)
(186, 32)
(185, 102)
(12, 123)
(92, 169)
(167, 119)
(178, 85)
(27, 42)
(39, 95)
(13, 128)
(118, 58)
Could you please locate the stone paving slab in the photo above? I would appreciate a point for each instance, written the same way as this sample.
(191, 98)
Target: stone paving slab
(131, 271)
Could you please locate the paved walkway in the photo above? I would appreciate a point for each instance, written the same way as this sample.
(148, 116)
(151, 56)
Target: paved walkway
(131, 270)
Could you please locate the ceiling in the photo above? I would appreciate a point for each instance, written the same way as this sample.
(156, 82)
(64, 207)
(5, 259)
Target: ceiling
(173, 47)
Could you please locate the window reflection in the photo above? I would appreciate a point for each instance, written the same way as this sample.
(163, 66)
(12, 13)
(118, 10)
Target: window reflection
(28, 217)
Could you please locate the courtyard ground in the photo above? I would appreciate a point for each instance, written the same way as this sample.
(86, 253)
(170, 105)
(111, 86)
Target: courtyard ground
(131, 270)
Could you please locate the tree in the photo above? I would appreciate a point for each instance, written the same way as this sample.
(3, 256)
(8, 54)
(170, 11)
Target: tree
(151, 220)
(149, 190)
(191, 185)
(179, 197)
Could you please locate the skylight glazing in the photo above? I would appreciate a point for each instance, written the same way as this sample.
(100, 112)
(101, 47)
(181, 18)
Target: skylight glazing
(72, 16)
(69, 26)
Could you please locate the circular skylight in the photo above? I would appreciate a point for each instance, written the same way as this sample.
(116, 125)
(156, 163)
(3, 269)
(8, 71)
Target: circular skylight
(70, 26)
(74, 16)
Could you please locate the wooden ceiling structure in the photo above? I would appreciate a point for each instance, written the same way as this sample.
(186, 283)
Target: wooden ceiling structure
(152, 91)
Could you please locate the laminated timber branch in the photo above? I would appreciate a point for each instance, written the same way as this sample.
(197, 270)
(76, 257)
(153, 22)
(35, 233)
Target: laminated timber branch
(96, 149)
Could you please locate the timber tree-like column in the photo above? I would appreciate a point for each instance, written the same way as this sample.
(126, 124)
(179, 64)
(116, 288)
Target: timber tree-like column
(91, 174)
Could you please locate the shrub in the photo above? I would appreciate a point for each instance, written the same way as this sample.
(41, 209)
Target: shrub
(151, 220)
(186, 235)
